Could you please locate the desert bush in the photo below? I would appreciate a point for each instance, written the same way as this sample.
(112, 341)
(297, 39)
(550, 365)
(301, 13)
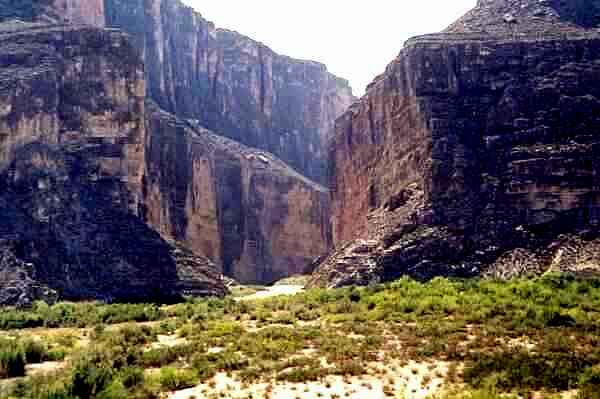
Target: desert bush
(516, 369)
(12, 361)
(34, 351)
(158, 357)
(204, 367)
(78, 315)
(304, 374)
(271, 343)
(173, 379)
(131, 377)
(114, 390)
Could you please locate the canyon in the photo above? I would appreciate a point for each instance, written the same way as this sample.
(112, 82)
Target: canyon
(144, 152)
(441, 238)
(113, 186)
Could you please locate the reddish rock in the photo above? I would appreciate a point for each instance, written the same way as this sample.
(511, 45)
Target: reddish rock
(243, 208)
(85, 12)
(476, 146)
(88, 12)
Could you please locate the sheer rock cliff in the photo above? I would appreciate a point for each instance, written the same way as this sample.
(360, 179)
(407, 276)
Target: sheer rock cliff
(233, 85)
(88, 12)
(72, 163)
(256, 217)
(476, 152)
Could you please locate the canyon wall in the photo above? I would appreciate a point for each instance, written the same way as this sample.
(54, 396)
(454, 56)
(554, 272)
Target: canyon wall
(475, 153)
(86, 12)
(233, 85)
(72, 161)
(252, 214)
(243, 208)
(257, 223)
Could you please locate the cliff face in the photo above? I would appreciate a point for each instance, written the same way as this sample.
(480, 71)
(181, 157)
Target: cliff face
(476, 152)
(88, 12)
(250, 213)
(233, 85)
(245, 209)
(72, 153)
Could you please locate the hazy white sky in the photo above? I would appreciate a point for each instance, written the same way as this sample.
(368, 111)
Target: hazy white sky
(356, 39)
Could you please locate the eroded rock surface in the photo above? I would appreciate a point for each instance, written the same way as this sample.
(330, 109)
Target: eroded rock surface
(86, 12)
(255, 217)
(243, 208)
(476, 152)
(72, 160)
(234, 85)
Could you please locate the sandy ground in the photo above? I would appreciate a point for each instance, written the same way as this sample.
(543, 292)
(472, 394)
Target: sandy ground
(273, 291)
(168, 341)
(412, 381)
(44, 368)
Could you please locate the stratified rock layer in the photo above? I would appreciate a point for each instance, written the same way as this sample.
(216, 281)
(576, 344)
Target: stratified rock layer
(476, 152)
(72, 160)
(233, 85)
(245, 209)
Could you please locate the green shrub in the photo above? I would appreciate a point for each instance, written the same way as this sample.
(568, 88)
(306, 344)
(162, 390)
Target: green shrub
(172, 379)
(158, 357)
(350, 367)
(132, 376)
(115, 390)
(523, 370)
(78, 315)
(304, 374)
(205, 368)
(39, 387)
(12, 361)
(90, 376)
(590, 378)
(226, 360)
(56, 354)
(34, 351)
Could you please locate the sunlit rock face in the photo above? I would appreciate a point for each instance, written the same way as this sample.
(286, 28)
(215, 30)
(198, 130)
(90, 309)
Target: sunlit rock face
(234, 85)
(476, 152)
(241, 207)
(72, 162)
(86, 12)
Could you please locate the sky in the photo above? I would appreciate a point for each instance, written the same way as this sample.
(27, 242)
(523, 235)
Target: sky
(356, 39)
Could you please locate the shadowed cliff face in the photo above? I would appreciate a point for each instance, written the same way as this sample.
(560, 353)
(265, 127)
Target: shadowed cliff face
(476, 152)
(72, 155)
(241, 207)
(233, 85)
